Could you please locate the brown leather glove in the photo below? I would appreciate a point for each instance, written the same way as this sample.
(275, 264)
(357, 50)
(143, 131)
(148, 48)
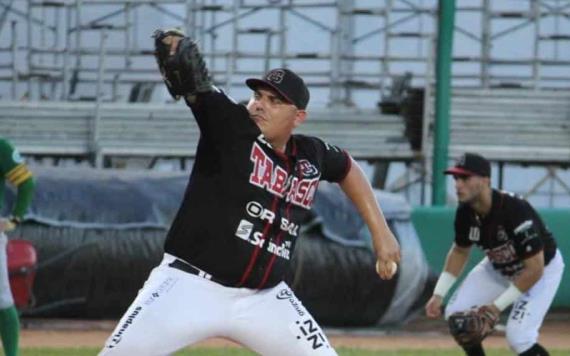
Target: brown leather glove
(471, 327)
(181, 64)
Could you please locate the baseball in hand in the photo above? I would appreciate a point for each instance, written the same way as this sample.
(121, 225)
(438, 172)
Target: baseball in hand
(393, 268)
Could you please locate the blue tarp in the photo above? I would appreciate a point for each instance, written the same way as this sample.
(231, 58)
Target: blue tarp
(99, 232)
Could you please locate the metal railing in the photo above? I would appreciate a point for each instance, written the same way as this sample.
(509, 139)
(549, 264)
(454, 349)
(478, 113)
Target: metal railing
(66, 49)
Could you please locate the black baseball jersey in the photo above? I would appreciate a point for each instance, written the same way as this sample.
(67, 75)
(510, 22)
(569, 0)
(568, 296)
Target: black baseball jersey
(511, 232)
(240, 216)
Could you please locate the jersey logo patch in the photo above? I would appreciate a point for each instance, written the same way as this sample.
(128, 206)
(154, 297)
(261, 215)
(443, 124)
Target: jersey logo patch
(502, 254)
(523, 227)
(256, 210)
(244, 230)
(273, 178)
(474, 233)
(307, 169)
(501, 233)
(526, 233)
(330, 147)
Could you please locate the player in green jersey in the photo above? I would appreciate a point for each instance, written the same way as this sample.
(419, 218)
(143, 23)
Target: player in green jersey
(13, 170)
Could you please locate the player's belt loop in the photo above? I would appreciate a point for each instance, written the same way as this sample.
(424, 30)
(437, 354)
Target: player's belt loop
(188, 268)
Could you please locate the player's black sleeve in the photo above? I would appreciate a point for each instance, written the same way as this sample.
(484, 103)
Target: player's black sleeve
(335, 163)
(220, 118)
(525, 228)
(462, 226)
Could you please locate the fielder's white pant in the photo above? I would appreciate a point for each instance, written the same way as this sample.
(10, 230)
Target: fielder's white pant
(483, 284)
(6, 299)
(175, 309)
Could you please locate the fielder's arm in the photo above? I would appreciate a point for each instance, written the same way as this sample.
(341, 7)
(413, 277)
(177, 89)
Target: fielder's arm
(358, 189)
(531, 273)
(454, 263)
(456, 259)
(24, 197)
(527, 277)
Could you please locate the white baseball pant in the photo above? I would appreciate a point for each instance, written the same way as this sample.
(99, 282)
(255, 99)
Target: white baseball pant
(6, 299)
(484, 284)
(175, 309)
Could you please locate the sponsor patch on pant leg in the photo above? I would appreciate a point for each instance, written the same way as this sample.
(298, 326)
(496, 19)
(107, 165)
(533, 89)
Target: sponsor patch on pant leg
(119, 332)
(309, 335)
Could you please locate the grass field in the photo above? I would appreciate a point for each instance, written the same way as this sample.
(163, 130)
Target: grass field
(239, 352)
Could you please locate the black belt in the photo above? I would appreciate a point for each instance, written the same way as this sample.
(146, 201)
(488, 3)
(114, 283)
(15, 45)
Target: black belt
(188, 268)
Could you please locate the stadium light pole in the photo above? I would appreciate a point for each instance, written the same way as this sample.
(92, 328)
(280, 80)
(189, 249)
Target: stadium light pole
(446, 23)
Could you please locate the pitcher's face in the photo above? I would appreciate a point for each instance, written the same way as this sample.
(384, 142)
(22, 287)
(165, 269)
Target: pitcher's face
(275, 117)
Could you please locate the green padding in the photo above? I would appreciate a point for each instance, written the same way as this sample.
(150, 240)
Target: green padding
(435, 229)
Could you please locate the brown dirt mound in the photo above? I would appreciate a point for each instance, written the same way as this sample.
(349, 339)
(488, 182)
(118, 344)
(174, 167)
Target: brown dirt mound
(421, 333)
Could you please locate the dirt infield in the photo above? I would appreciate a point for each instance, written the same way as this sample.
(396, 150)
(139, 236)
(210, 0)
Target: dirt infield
(421, 333)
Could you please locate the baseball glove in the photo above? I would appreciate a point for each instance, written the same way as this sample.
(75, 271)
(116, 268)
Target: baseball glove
(184, 71)
(471, 327)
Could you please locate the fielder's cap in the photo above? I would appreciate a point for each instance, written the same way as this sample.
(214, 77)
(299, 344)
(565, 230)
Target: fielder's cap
(470, 164)
(285, 82)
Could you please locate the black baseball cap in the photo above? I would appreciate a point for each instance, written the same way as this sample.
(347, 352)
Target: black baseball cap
(470, 164)
(286, 83)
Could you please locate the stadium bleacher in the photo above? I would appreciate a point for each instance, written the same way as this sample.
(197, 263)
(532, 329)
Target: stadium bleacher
(79, 129)
(508, 125)
(524, 126)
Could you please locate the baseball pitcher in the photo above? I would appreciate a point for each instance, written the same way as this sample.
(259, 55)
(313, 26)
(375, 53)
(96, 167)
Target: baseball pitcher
(252, 183)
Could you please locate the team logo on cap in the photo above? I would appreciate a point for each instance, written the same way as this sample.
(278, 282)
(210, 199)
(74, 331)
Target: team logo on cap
(461, 161)
(275, 76)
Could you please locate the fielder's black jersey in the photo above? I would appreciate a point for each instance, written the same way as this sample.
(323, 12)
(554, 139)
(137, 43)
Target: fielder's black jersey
(241, 213)
(510, 233)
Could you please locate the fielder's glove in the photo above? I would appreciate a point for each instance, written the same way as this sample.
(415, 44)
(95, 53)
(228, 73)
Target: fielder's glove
(471, 327)
(182, 67)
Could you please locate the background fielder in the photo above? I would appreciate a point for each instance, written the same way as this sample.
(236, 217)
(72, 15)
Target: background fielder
(252, 184)
(14, 170)
(522, 264)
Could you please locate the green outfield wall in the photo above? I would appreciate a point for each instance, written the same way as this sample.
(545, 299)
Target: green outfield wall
(434, 226)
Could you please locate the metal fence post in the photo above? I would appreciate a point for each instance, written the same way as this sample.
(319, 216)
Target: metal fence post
(95, 144)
